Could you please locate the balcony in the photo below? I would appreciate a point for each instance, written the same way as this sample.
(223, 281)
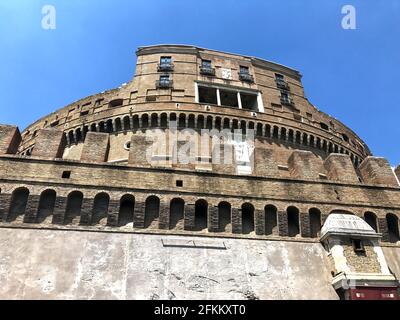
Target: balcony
(287, 101)
(164, 67)
(246, 77)
(164, 84)
(207, 71)
(282, 84)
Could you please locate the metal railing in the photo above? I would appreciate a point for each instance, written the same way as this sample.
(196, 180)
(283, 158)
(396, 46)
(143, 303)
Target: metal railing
(247, 77)
(287, 101)
(208, 71)
(164, 84)
(282, 84)
(165, 67)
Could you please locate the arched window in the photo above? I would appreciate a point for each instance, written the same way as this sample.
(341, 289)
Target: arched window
(268, 131)
(200, 122)
(235, 124)
(102, 127)
(145, 121)
(293, 221)
(154, 120)
(100, 209)
(305, 139)
(312, 141)
(152, 212)
(275, 132)
(218, 123)
(177, 213)
(71, 137)
(370, 218)
(127, 123)
(78, 134)
(209, 124)
(93, 127)
(283, 134)
(271, 220)
(74, 207)
(46, 205)
(342, 212)
(109, 126)
(330, 147)
(118, 125)
(226, 123)
(191, 120)
(319, 145)
(85, 131)
(126, 209)
(243, 126)
(164, 120)
(135, 122)
(182, 121)
(315, 222)
(259, 131)
(247, 218)
(224, 217)
(19, 200)
(291, 135)
(393, 227)
(298, 137)
(200, 215)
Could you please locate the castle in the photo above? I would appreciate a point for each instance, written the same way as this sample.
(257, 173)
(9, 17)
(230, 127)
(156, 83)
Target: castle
(89, 208)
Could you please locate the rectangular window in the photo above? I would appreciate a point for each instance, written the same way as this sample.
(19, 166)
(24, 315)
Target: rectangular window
(358, 245)
(164, 82)
(206, 64)
(179, 183)
(165, 60)
(165, 65)
(206, 68)
(249, 101)
(164, 79)
(207, 95)
(66, 174)
(229, 98)
(244, 70)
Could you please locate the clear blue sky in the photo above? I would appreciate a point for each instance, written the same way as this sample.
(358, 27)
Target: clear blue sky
(352, 75)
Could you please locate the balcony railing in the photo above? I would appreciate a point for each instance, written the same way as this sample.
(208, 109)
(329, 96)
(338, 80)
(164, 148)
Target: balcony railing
(287, 101)
(247, 77)
(282, 84)
(165, 67)
(207, 71)
(164, 84)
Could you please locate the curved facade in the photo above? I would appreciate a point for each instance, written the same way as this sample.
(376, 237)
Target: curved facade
(91, 165)
(272, 102)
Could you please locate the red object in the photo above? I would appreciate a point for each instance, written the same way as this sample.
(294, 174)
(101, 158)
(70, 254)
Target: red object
(371, 293)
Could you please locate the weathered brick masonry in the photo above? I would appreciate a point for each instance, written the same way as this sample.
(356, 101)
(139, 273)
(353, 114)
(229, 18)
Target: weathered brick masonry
(88, 165)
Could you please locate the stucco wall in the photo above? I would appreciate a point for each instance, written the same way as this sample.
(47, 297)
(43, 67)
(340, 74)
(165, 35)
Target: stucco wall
(45, 264)
(392, 255)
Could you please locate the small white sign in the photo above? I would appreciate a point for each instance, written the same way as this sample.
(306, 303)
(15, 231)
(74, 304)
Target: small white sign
(226, 73)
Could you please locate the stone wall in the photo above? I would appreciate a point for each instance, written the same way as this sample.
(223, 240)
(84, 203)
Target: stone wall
(44, 264)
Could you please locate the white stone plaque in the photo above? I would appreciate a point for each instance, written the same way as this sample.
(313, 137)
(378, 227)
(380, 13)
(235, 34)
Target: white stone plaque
(226, 73)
